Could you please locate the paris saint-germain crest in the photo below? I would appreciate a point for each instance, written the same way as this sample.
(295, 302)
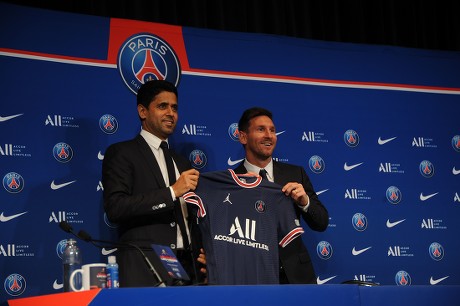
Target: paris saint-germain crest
(145, 57)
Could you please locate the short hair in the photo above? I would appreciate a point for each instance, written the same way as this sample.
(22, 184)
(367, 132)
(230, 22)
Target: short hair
(150, 89)
(243, 124)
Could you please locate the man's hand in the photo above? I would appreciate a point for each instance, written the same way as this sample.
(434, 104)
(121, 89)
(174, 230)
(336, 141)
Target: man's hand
(188, 180)
(296, 192)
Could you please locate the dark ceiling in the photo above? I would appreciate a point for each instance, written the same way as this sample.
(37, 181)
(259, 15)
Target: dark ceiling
(407, 23)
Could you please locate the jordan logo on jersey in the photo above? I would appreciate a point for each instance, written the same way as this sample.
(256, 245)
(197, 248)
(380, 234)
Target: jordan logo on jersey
(227, 199)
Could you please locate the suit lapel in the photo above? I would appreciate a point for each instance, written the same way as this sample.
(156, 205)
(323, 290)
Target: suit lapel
(150, 160)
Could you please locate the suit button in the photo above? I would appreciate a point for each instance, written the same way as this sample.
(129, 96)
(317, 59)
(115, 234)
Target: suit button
(172, 224)
(173, 246)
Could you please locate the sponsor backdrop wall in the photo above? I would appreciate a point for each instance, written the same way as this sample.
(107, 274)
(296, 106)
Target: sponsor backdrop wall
(375, 127)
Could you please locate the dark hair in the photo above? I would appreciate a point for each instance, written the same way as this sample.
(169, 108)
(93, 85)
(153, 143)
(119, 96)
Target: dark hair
(243, 124)
(150, 89)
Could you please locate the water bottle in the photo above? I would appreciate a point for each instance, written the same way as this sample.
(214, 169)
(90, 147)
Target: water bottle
(71, 261)
(112, 273)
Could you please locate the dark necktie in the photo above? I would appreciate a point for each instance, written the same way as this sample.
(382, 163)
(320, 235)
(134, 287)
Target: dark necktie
(263, 174)
(172, 180)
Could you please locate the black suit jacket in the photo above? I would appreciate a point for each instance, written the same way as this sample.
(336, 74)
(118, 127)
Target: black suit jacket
(295, 261)
(137, 199)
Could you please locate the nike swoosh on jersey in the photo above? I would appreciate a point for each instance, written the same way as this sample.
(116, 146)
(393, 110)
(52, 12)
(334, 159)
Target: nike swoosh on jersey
(426, 197)
(321, 191)
(57, 286)
(107, 252)
(455, 171)
(3, 119)
(384, 141)
(279, 133)
(8, 218)
(437, 281)
(100, 156)
(348, 168)
(357, 252)
(323, 281)
(393, 224)
(58, 186)
(231, 162)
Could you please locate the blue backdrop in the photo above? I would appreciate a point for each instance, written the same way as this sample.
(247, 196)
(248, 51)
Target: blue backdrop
(375, 127)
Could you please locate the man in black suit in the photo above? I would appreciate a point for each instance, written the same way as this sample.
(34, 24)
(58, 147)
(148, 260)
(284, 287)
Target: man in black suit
(258, 135)
(138, 193)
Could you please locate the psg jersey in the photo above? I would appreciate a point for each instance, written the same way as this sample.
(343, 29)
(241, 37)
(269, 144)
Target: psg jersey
(243, 220)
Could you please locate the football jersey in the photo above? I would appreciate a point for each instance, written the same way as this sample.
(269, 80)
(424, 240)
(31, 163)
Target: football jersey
(243, 219)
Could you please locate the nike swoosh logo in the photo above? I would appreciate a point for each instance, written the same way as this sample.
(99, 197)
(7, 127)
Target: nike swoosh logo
(393, 224)
(322, 191)
(426, 197)
(58, 186)
(455, 171)
(323, 281)
(3, 119)
(384, 141)
(230, 162)
(348, 168)
(100, 156)
(279, 133)
(57, 286)
(436, 281)
(6, 219)
(357, 252)
(107, 252)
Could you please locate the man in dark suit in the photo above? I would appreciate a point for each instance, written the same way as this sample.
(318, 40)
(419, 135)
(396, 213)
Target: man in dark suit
(258, 135)
(138, 193)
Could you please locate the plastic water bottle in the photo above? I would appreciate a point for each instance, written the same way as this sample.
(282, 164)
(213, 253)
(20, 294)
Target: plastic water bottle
(71, 261)
(112, 273)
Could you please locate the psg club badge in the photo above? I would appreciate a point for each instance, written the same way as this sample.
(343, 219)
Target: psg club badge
(145, 57)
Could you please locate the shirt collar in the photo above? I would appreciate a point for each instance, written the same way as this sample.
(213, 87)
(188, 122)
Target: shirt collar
(252, 168)
(151, 139)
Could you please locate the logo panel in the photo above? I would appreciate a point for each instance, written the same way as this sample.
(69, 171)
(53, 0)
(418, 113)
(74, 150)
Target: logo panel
(144, 57)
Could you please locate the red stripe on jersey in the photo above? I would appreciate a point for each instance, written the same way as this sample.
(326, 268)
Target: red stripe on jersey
(291, 236)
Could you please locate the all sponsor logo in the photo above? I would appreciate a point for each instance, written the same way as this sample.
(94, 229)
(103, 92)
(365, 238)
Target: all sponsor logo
(356, 194)
(399, 251)
(422, 142)
(195, 130)
(61, 121)
(14, 150)
(389, 167)
(313, 137)
(16, 250)
(68, 216)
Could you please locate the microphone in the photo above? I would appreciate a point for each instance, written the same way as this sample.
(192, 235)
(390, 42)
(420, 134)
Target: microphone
(87, 237)
(66, 227)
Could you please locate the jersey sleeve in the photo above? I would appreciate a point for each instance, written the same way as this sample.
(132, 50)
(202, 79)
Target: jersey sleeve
(194, 199)
(289, 225)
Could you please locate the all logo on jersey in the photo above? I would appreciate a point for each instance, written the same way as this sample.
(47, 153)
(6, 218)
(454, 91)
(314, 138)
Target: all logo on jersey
(62, 152)
(243, 234)
(13, 182)
(145, 57)
(108, 124)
